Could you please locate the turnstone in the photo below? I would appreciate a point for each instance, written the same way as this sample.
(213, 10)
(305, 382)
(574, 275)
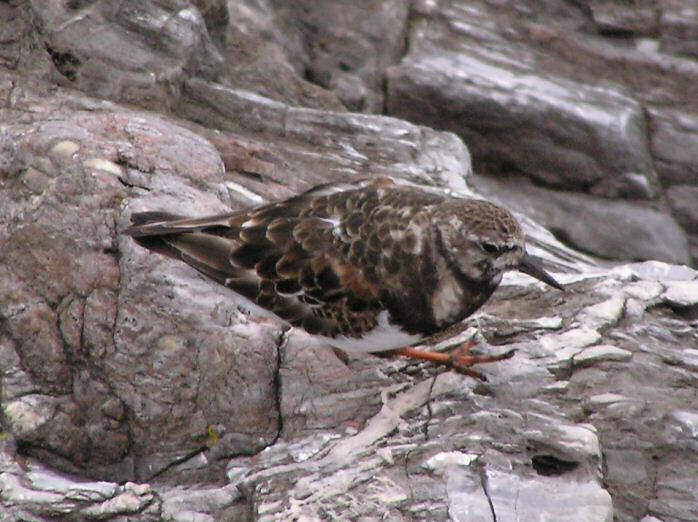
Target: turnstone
(371, 266)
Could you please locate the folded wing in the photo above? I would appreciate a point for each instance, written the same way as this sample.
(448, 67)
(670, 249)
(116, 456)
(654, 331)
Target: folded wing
(284, 257)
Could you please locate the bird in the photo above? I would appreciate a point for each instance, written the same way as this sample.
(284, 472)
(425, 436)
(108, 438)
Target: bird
(375, 265)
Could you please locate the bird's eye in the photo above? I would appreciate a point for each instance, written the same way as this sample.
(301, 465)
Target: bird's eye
(491, 248)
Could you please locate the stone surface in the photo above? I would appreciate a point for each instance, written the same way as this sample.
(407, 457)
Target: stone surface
(133, 389)
(263, 57)
(91, 318)
(678, 25)
(137, 53)
(346, 47)
(674, 142)
(616, 18)
(554, 130)
(682, 199)
(682, 294)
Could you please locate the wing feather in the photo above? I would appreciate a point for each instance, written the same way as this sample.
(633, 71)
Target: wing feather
(320, 260)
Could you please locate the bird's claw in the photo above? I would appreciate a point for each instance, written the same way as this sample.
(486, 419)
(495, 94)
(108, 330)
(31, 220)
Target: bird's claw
(462, 360)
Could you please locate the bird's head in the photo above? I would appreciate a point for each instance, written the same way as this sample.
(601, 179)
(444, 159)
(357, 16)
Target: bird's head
(481, 240)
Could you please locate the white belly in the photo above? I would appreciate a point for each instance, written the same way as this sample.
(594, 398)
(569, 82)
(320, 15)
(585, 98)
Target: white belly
(385, 336)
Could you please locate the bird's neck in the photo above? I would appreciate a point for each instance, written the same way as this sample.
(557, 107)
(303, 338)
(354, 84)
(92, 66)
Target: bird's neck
(455, 296)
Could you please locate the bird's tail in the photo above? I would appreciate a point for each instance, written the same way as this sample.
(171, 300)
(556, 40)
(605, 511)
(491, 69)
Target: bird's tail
(188, 240)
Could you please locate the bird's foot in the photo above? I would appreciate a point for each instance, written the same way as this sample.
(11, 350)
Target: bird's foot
(459, 360)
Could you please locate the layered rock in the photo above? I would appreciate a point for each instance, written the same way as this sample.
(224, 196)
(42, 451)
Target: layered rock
(135, 389)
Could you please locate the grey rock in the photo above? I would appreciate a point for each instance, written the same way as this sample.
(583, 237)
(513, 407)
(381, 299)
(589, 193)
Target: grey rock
(198, 503)
(130, 52)
(47, 480)
(674, 142)
(157, 382)
(682, 294)
(30, 321)
(73, 301)
(559, 447)
(600, 353)
(29, 413)
(657, 271)
(118, 366)
(682, 199)
(604, 314)
(618, 18)
(347, 46)
(468, 62)
(459, 75)
(43, 494)
(505, 116)
(264, 56)
(688, 422)
(581, 501)
(678, 25)
(22, 47)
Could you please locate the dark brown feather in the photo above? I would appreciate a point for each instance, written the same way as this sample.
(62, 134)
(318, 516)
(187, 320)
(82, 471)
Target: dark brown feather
(329, 260)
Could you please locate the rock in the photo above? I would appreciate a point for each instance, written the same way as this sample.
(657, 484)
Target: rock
(110, 49)
(655, 271)
(604, 314)
(616, 18)
(122, 316)
(613, 230)
(29, 321)
(678, 25)
(596, 354)
(29, 413)
(444, 460)
(465, 64)
(604, 400)
(688, 422)
(264, 58)
(682, 295)
(46, 480)
(674, 142)
(682, 200)
(61, 298)
(515, 118)
(200, 503)
(582, 501)
(346, 47)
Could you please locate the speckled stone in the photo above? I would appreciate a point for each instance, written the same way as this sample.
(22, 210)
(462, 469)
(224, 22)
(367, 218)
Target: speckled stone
(600, 353)
(681, 294)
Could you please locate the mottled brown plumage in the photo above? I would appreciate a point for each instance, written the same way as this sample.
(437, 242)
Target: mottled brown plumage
(371, 266)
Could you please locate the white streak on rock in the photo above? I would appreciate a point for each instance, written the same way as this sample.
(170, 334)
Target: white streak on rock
(236, 187)
(599, 353)
(439, 462)
(682, 294)
(604, 314)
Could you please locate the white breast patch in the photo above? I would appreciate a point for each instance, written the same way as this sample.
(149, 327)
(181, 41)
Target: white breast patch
(385, 336)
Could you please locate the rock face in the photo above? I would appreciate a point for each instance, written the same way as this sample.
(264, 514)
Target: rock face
(134, 389)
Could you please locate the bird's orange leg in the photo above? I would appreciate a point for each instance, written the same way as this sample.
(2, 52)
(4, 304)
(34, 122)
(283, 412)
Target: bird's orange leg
(460, 360)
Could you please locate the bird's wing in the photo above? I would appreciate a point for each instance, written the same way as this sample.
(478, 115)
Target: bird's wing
(317, 260)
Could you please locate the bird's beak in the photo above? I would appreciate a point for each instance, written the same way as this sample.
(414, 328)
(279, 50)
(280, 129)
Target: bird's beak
(532, 266)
